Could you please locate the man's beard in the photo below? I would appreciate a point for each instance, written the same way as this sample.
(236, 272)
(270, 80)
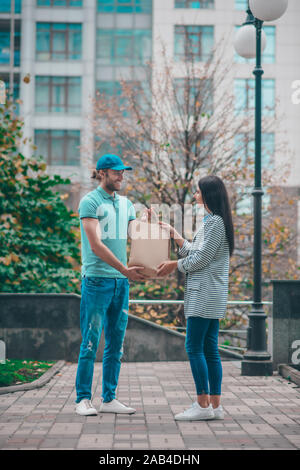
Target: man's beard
(112, 186)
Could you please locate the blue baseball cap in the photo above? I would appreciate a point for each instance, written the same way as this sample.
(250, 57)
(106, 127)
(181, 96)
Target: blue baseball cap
(112, 162)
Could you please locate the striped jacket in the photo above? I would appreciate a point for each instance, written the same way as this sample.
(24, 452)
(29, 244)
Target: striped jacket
(206, 265)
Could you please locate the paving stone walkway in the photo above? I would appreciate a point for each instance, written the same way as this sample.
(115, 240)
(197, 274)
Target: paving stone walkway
(261, 412)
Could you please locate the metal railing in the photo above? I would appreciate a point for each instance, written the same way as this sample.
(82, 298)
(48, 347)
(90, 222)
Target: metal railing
(230, 302)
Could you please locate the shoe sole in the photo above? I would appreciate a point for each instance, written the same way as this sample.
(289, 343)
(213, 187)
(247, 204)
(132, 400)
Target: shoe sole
(93, 413)
(118, 412)
(195, 419)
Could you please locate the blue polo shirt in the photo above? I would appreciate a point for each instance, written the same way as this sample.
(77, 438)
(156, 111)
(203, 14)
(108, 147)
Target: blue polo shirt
(113, 214)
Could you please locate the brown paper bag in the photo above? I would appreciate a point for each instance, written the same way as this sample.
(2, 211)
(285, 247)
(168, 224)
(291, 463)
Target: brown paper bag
(150, 246)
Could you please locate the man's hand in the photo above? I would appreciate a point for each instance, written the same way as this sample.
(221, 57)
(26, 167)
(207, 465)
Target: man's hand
(133, 273)
(166, 268)
(92, 229)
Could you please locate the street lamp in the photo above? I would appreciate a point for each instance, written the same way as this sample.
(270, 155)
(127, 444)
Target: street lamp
(257, 360)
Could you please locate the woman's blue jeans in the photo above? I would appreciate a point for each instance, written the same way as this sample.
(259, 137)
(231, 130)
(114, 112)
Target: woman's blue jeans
(104, 304)
(202, 348)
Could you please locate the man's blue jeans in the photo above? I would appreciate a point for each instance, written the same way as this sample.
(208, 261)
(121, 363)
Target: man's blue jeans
(202, 348)
(104, 304)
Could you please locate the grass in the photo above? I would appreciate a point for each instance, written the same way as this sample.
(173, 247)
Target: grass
(16, 371)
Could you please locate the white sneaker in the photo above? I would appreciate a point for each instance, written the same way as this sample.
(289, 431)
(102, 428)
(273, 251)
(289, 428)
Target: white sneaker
(196, 413)
(115, 406)
(85, 408)
(219, 412)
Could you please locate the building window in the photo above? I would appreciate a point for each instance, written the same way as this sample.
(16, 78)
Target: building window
(193, 43)
(5, 6)
(58, 147)
(245, 148)
(269, 52)
(4, 47)
(113, 89)
(245, 201)
(5, 43)
(58, 95)
(15, 95)
(123, 46)
(268, 149)
(203, 148)
(124, 6)
(58, 41)
(244, 205)
(268, 55)
(108, 88)
(16, 86)
(241, 5)
(59, 3)
(194, 95)
(244, 90)
(194, 4)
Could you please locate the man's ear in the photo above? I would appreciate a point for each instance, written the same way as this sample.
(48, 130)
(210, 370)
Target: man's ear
(102, 173)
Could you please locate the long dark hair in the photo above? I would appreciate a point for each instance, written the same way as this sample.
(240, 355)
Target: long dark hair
(215, 198)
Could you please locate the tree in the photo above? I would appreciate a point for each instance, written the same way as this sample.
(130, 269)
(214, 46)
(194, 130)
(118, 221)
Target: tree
(39, 246)
(180, 124)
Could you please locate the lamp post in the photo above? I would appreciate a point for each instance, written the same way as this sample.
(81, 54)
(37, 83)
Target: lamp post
(249, 42)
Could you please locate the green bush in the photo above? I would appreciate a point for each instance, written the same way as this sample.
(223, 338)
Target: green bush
(39, 239)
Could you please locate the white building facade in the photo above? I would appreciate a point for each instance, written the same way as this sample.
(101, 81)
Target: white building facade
(71, 48)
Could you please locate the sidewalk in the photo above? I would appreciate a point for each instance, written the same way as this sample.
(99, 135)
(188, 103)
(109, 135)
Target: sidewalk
(261, 412)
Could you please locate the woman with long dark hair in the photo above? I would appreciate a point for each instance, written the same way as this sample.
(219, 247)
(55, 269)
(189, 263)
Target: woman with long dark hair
(205, 262)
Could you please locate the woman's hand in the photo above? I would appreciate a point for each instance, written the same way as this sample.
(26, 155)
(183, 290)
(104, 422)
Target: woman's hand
(173, 233)
(167, 267)
(148, 215)
(168, 228)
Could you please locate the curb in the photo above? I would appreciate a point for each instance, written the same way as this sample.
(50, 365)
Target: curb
(36, 383)
(289, 373)
(227, 354)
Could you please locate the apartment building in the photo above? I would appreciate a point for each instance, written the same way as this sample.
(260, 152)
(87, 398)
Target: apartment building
(71, 48)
